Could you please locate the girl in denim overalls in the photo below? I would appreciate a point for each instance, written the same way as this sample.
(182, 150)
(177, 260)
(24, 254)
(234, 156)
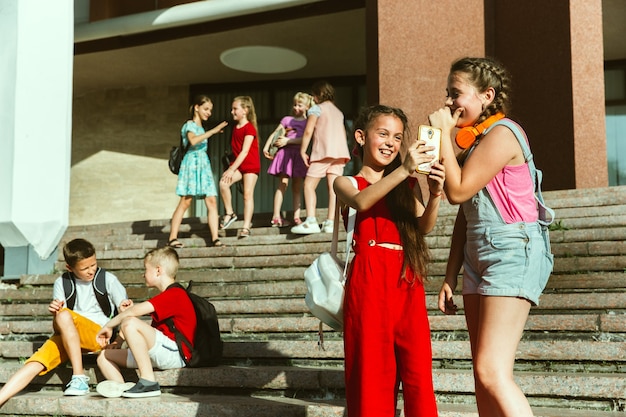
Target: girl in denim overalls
(386, 332)
(498, 236)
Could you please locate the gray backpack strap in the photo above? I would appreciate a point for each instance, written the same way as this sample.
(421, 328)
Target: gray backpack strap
(546, 214)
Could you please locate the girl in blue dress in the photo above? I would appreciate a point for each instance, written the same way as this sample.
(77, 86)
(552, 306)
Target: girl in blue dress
(196, 177)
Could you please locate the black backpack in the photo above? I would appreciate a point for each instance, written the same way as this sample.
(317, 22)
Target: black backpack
(99, 288)
(208, 346)
(177, 153)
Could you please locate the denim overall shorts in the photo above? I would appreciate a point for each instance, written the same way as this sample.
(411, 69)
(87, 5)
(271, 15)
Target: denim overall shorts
(510, 260)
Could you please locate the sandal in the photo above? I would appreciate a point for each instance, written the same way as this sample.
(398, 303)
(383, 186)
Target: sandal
(217, 243)
(227, 220)
(279, 222)
(243, 233)
(175, 243)
(297, 220)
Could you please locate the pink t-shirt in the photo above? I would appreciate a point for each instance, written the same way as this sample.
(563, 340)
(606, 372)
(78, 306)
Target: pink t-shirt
(329, 136)
(512, 191)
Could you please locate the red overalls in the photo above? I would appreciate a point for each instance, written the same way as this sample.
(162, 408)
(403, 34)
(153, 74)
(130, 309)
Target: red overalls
(386, 329)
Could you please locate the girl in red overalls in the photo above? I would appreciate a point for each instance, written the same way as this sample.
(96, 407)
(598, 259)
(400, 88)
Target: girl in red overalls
(386, 331)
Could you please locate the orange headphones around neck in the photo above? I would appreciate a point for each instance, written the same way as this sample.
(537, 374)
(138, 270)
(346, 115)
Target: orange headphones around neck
(467, 135)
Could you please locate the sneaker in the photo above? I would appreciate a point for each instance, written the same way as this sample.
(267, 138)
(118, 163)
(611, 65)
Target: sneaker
(113, 389)
(306, 228)
(143, 388)
(328, 226)
(78, 385)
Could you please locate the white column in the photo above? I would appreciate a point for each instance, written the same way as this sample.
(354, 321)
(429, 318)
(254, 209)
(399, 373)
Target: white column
(36, 58)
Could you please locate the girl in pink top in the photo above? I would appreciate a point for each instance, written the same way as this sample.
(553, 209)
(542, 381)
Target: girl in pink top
(329, 155)
(497, 238)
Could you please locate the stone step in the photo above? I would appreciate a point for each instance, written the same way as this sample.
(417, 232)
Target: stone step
(311, 382)
(223, 282)
(121, 236)
(237, 258)
(607, 350)
(585, 242)
(604, 217)
(20, 337)
(586, 197)
(294, 304)
(573, 210)
(47, 403)
(294, 287)
(571, 356)
(583, 325)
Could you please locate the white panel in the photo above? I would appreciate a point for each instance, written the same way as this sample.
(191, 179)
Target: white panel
(34, 209)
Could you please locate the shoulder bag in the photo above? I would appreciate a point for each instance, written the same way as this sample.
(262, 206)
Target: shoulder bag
(325, 278)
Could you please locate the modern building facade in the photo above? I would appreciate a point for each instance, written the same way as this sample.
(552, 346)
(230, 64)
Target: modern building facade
(136, 65)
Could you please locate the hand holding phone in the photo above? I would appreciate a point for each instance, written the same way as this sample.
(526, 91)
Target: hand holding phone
(432, 137)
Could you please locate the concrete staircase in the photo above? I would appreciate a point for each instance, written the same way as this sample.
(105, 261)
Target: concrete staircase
(571, 361)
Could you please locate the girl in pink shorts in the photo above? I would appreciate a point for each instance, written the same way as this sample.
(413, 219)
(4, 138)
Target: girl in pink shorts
(329, 155)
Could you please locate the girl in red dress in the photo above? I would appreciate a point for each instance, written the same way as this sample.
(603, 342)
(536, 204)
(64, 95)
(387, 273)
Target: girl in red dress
(386, 331)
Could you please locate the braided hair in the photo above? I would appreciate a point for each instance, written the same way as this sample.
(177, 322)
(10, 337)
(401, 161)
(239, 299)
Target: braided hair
(483, 73)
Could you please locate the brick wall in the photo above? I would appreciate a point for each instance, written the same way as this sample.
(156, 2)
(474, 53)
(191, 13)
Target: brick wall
(120, 143)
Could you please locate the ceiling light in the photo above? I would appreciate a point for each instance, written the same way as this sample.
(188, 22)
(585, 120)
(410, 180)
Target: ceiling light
(263, 59)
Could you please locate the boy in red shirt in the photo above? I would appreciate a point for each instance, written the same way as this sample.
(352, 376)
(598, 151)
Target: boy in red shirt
(149, 346)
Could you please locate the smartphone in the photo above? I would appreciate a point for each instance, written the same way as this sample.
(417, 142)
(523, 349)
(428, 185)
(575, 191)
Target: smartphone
(432, 137)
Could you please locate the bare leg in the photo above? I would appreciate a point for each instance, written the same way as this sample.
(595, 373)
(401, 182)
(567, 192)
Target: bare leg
(64, 324)
(249, 182)
(227, 197)
(20, 380)
(212, 217)
(310, 195)
(279, 196)
(140, 337)
(471, 306)
(109, 363)
(177, 217)
(296, 191)
(500, 326)
(330, 178)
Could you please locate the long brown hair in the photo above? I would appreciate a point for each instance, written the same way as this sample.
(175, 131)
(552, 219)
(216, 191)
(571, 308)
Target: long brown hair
(401, 198)
(198, 100)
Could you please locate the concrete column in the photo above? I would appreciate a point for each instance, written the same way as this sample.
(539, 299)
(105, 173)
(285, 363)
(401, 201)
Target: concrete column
(36, 53)
(554, 50)
(410, 46)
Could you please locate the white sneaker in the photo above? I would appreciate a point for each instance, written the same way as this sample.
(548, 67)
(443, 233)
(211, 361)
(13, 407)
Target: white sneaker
(328, 226)
(306, 228)
(113, 389)
(78, 385)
